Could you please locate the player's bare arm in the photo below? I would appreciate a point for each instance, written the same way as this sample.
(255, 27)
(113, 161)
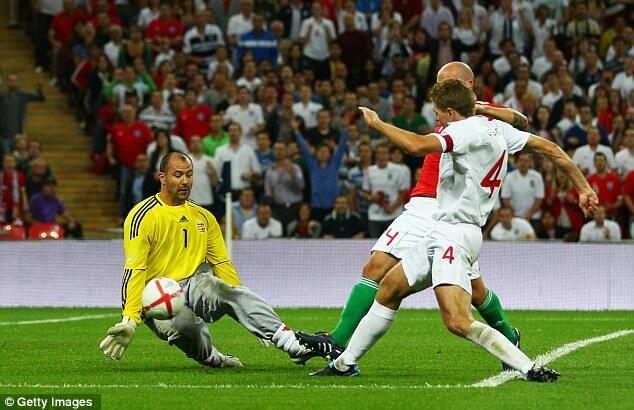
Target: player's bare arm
(411, 142)
(508, 115)
(587, 197)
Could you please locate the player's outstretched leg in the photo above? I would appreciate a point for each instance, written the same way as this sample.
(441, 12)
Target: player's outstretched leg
(454, 304)
(330, 345)
(191, 335)
(392, 290)
(209, 295)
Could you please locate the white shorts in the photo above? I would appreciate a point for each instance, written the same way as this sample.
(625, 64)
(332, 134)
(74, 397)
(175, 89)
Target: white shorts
(448, 256)
(410, 228)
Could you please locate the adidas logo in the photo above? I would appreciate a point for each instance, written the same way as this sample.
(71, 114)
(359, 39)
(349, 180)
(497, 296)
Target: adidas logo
(183, 219)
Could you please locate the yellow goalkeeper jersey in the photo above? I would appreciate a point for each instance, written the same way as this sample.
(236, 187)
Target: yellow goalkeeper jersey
(170, 242)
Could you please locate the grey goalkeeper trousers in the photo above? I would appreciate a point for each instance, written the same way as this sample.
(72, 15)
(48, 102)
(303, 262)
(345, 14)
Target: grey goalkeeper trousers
(207, 299)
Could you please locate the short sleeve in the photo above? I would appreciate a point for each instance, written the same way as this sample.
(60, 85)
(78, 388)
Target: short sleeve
(515, 139)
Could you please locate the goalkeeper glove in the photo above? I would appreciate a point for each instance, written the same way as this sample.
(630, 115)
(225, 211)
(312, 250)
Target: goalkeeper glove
(119, 338)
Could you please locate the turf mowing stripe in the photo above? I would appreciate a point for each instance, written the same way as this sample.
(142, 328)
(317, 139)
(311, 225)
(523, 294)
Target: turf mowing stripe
(546, 358)
(59, 320)
(233, 386)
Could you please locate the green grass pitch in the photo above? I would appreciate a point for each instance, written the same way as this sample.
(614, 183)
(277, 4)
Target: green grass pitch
(406, 369)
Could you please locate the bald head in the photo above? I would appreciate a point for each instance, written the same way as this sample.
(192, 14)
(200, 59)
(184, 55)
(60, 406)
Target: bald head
(455, 70)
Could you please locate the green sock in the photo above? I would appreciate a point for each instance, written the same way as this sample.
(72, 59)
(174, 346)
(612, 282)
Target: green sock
(359, 302)
(491, 311)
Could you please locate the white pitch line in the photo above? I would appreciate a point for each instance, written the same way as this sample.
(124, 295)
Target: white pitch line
(548, 357)
(58, 320)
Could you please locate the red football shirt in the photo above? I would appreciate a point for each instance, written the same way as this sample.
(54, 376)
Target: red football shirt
(63, 24)
(193, 121)
(608, 189)
(628, 185)
(7, 189)
(130, 142)
(170, 28)
(427, 182)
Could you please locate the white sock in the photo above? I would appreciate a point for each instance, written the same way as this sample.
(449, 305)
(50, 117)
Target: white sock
(284, 339)
(499, 346)
(215, 359)
(373, 325)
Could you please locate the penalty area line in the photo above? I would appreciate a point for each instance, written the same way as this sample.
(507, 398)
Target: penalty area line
(544, 359)
(57, 320)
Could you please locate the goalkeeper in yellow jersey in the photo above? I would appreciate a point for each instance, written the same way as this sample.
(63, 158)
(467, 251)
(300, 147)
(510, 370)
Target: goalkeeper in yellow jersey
(169, 236)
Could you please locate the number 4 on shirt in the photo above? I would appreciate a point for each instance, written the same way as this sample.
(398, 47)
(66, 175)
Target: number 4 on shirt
(491, 180)
(449, 255)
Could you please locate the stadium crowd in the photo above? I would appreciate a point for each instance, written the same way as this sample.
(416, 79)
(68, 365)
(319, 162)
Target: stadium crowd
(263, 94)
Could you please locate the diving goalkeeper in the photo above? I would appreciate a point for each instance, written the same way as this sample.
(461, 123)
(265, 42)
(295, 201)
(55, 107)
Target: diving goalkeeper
(168, 235)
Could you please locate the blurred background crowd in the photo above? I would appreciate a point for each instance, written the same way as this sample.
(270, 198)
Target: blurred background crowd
(263, 95)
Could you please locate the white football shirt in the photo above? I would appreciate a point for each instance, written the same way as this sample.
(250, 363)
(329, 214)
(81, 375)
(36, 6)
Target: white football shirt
(473, 166)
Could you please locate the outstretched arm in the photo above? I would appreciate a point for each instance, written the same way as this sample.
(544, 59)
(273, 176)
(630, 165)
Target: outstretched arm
(587, 197)
(508, 115)
(411, 142)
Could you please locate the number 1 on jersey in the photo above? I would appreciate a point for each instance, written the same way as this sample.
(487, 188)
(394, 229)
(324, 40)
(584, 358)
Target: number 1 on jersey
(185, 232)
(491, 180)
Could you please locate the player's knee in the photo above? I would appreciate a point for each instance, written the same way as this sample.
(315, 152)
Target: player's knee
(457, 325)
(478, 295)
(374, 269)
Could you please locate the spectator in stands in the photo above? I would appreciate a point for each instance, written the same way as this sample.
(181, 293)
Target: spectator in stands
(201, 41)
(547, 229)
(434, 14)
(13, 199)
(570, 118)
(510, 21)
(567, 93)
(354, 182)
(284, 184)
(582, 26)
(385, 187)
(292, 15)
(624, 80)
(523, 190)
(510, 228)
(304, 226)
(562, 199)
(157, 114)
(133, 48)
(165, 26)
(409, 119)
(377, 103)
(263, 226)
(248, 115)
(260, 42)
(342, 223)
(163, 144)
(577, 135)
(600, 228)
(323, 171)
(397, 156)
(60, 34)
(316, 33)
(584, 155)
(206, 175)
(240, 23)
(38, 173)
(21, 152)
(625, 157)
(263, 152)
(249, 78)
(194, 119)
(129, 139)
(306, 108)
(244, 209)
(607, 185)
(141, 185)
(523, 73)
(355, 45)
(217, 136)
(323, 131)
(45, 207)
(236, 162)
(628, 200)
(13, 103)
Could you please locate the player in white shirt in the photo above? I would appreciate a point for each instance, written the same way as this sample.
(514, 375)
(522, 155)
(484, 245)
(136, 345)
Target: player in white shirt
(584, 155)
(263, 226)
(510, 228)
(625, 157)
(523, 190)
(385, 187)
(473, 164)
(600, 229)
(241, 158)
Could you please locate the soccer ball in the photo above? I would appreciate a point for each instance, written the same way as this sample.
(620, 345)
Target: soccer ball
(162, 298)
